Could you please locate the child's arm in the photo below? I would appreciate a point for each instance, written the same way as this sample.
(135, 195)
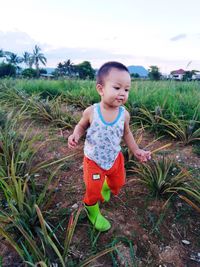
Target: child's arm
(140, 154)
(80, 128)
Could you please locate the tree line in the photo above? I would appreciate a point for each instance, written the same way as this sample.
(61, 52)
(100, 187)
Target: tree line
(10, 66)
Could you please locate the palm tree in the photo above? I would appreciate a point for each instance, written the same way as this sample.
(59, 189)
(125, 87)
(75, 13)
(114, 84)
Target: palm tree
(65, 69)
(38, 57)
(28, 59)
(68, 65)
(60, 69)
(13, 58)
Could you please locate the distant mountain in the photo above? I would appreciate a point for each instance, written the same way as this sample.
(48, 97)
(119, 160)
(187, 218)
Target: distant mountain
(49, 70)
(138, 69)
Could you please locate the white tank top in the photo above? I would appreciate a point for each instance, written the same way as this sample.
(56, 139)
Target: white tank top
(102, 144)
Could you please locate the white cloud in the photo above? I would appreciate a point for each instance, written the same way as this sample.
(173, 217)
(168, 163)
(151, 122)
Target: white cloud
(16, 41)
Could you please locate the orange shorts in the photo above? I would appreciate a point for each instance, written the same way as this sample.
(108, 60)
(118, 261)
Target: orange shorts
(94, 177)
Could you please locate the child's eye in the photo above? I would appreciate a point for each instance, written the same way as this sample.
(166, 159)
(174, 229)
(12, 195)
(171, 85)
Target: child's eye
(126, 90)
(117, 88)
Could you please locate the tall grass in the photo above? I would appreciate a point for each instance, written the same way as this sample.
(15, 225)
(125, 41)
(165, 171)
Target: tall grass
(53, 88)
(173, 99)
(181, 98)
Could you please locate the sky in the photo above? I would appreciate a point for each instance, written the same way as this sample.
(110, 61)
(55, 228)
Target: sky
(165, 33)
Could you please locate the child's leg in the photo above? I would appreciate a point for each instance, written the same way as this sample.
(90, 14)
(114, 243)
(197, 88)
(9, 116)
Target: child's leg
(116, 175)
(94, 178)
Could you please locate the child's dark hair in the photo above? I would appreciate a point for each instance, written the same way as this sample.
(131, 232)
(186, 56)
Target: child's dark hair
(105, 69)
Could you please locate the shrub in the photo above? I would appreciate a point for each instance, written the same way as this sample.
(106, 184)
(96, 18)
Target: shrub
(29, 73)
(7, 70)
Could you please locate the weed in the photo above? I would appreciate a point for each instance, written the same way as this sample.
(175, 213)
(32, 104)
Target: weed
(161, 177)
(119, 257)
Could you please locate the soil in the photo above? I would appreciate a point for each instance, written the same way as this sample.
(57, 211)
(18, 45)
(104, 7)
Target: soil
(158, 230)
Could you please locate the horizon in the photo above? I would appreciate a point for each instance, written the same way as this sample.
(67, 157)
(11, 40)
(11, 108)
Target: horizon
(135, 66)
(134, 33)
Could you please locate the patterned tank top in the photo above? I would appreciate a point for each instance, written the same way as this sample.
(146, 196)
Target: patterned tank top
(102, 144)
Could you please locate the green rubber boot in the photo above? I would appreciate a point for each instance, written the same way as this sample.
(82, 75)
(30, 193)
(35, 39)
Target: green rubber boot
(100, 223)
(105, 191)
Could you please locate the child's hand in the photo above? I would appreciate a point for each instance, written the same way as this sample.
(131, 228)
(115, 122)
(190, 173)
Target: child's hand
(142, 155)
(73, 140)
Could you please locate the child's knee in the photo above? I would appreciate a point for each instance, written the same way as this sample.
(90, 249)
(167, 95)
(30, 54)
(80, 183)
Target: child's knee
(116, 188)
(93, 194)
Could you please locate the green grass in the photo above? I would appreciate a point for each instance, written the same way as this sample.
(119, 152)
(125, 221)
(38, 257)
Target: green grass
(180, 98)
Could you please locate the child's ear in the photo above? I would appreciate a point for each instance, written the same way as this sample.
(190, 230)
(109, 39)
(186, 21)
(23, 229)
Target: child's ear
(99, 88)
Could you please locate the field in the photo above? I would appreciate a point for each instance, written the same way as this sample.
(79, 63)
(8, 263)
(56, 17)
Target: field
(155, 218)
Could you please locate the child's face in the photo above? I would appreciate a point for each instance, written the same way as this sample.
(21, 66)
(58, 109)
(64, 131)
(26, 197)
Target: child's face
(115, 90)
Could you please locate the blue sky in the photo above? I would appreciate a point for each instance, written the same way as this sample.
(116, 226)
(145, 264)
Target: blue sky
(147, 32)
